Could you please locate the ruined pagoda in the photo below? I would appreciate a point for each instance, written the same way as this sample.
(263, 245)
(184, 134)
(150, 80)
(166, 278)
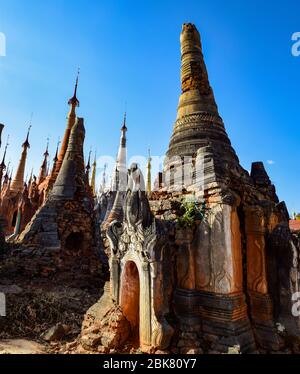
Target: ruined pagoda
(212, 279)
(63, 229)
(228, 275)
(44, 166)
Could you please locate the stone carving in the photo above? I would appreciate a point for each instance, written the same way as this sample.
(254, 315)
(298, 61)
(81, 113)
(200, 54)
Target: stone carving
(135, 241)
(199, 117)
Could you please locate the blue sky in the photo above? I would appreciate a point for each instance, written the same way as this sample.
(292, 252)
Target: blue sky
(128, 51)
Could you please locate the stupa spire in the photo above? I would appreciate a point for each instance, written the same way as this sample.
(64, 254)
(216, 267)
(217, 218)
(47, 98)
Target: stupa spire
(56, 152)
(4, 154)
(30, 179)
(148, 184)
(120, 173)
(198, 125)
(71, 119)
(43, 169)
(2, 165)
(17, 183)
(71, 177)
(103, 183)
(197, 94)
(93, 178)
(55, 158)
(74, 101)
(88, 168)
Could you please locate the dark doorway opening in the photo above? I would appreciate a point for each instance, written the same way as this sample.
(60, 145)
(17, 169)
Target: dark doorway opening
(130, 298)
(74, 242)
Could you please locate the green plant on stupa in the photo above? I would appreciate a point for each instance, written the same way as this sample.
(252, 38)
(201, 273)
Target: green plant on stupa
(191, 212)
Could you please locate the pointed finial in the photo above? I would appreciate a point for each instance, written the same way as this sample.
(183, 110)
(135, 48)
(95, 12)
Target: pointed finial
(74, 100)
(56, 153)
(7, 144)
(76, 84)
(47, 148)
(124, 127)
(29, 128)
(88, 166)
(4, 155)
(148, 185)
(26, 143)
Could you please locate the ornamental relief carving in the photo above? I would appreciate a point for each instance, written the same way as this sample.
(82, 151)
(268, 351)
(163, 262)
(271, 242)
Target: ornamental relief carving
(199, 117)
(137, 232)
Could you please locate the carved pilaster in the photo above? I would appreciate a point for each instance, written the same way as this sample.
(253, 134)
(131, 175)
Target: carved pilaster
(261, 305)
(186, 259)
(218, 254)
(115, 279)
(145, 308)
(256, 251)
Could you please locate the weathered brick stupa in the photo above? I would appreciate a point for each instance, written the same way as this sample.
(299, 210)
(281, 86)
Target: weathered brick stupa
(13, 194)
(62, 232)
(213, 265)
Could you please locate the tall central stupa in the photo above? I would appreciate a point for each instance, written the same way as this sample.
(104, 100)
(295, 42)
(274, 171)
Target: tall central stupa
(198, 126)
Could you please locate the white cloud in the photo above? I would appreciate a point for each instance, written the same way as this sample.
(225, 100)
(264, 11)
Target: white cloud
(271, 162)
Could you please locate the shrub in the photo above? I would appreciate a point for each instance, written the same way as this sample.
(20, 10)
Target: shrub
(192, 212)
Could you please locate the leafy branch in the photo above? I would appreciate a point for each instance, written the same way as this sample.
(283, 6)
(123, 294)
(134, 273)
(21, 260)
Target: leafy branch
(191, 212)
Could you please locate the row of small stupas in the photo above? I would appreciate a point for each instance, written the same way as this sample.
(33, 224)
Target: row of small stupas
(20, 198)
